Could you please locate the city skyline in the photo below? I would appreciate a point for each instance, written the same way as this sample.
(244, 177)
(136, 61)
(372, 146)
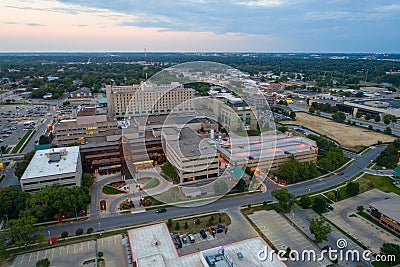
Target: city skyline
(200, 26)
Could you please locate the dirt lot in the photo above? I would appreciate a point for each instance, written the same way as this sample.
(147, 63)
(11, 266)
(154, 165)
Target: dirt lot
(351, 137)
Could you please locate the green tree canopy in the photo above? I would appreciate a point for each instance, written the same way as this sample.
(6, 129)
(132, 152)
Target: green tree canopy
(353, 188)
(285, 199)
(22, 229)
(391, 249)
(319, 227)
(319, 204)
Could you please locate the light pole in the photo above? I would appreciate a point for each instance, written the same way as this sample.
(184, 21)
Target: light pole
(76, 214)
(50, 241)
(99, 228)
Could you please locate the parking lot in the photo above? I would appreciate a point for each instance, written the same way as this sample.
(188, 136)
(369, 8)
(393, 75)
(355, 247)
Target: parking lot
(76, 254)
(283, 235)
(364, 231)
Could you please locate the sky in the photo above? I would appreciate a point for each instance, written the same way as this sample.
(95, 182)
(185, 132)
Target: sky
(200, 25)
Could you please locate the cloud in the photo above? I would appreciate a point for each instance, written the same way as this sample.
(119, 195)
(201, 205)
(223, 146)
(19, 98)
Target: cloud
(262, 3)
(35, 25)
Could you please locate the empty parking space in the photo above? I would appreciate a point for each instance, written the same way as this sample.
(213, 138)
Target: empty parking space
(282, 234)
(76, 254)
(345, 217)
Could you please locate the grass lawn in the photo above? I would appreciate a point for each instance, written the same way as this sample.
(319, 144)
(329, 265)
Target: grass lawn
(368, 182)
(153, 183)
(382, 183)
(108, 190)
(18, 146)
(350, 137)
(204, 223)
(171, 195)
(144, 180)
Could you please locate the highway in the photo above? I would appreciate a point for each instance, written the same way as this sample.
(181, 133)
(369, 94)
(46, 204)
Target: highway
(150, 216)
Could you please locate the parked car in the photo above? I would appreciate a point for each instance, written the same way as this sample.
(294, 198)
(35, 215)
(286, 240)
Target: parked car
(184, 240)
(191, 238)
(161, 210)
(220, 228)
(329, 207)
(203, 234)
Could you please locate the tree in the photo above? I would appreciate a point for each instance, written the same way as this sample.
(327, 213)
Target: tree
(367, 116)
(87, 179)
(311, 110)
(283, 129)
(177, 226)
(12, 201)
(389, 157)
(66, 103)
(169, 170)
(21, 166)
(285, 199)
(319, 204)
(391, 249)
(388, 130)
(186, 225)
(43, 140)
(79, 231)
(305, 202)
(240, 186)
(319, 227)
(339, 116)
(377, 118)
(292, 115)
(352, 188)
(43, 263)
(358, 115)
(169, 222)
(386, 120)
(22, 229)
(90, 230)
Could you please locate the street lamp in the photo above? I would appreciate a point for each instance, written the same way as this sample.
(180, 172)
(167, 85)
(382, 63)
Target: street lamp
(99, 228)
(76, 214)
(50, 241)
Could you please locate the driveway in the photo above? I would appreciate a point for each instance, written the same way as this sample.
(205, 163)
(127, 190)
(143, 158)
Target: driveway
(76, 254)
(361, 229)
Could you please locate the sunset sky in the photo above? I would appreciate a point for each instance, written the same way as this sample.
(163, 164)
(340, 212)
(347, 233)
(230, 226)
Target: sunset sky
(200, 25)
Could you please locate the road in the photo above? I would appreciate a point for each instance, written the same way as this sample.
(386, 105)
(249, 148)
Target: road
(298, 189)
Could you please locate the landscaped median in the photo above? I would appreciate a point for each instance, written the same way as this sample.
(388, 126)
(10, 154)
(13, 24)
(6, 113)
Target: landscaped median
(28, 135)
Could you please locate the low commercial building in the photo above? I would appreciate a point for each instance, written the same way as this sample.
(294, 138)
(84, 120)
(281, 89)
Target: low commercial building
(153, 245)
(56, 166)
(380, 107)
(81, 93)
(77, 130)
(386, 212)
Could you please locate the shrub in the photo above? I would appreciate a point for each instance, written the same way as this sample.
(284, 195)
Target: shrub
(64, 234)
(79, 231)
(89, 230)
(177, 226)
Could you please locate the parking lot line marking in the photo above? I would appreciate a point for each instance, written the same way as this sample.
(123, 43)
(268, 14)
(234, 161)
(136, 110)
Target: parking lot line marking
(45, 254)
(30, 255)
(37, 255)
(102, 242)
(52, 255)
(22, 259)
(60, 251)
(67, 249)
(115, 239)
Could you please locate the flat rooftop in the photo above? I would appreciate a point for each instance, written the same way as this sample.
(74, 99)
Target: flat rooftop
(153, 246)
(266, 146)
(41, 164)
(189, 144)
(389, 207)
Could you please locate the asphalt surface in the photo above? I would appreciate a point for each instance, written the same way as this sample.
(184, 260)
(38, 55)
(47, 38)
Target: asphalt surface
(150, 216)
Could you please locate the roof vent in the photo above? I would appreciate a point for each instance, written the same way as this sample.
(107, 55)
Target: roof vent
(54, 157)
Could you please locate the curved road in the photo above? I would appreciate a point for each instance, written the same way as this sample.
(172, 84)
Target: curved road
(298, 189)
